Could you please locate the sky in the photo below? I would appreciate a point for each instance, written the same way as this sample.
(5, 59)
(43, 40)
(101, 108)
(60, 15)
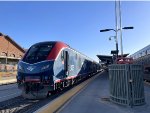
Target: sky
(77, 23)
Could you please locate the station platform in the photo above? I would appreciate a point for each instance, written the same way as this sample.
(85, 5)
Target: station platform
(95, 99)
(8, 79)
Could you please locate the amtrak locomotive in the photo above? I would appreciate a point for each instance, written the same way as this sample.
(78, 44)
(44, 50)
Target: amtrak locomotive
(49, 66)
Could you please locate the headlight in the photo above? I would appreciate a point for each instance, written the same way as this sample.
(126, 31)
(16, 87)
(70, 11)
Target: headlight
(45, 67)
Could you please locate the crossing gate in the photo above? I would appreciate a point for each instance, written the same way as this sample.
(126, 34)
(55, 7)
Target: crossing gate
(126, 84)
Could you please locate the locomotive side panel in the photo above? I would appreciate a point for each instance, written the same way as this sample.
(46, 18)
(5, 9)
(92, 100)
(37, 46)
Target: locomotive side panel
(77, 65)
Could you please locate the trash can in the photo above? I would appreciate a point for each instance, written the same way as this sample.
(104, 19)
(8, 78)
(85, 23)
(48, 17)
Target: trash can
(126, 84)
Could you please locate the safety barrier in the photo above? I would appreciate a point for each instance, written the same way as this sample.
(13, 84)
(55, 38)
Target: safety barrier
(126, 84)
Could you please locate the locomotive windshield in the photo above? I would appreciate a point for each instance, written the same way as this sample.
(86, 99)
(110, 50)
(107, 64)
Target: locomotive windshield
(38, 52)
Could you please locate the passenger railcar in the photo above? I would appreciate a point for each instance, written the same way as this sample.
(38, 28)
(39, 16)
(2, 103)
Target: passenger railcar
(49, 66)
(143, 57)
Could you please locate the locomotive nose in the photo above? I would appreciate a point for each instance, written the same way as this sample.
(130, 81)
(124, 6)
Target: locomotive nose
(38, 72)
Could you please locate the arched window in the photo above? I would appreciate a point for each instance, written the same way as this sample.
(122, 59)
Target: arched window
(12, 55)
(3, 54)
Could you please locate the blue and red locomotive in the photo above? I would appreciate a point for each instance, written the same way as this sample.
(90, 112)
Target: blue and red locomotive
(48, 66)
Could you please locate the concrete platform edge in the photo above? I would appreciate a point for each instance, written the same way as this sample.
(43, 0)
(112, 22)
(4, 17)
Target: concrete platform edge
(58, 102)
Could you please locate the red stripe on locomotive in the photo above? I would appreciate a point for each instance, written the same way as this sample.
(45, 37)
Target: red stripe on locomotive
(55, 51)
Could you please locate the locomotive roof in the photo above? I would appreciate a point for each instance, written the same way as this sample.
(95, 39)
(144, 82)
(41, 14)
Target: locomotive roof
(53, 42)
(82, 54)
(45, 42)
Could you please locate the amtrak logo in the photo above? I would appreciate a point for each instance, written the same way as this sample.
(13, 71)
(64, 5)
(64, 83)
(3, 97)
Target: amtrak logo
(30, 68)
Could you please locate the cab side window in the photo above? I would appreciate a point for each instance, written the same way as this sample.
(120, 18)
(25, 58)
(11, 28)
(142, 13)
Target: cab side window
(62, 55)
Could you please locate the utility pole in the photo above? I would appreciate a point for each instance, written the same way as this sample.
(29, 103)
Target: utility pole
(116, 28)
(120, 29)
(118, 21)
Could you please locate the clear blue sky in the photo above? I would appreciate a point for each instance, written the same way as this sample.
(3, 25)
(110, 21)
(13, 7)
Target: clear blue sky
(76, 23)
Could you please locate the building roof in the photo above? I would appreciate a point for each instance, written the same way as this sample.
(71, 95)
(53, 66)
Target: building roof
(109, 59)
(13, 42)
(105, 58)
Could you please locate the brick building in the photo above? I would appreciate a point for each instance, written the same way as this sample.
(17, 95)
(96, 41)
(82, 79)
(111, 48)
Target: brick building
(10, 51)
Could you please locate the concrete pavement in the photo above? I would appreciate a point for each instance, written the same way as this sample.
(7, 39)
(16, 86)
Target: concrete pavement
(94, 99)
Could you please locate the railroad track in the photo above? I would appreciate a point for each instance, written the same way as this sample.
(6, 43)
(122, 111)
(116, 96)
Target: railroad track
(4, 106)
(22, 105)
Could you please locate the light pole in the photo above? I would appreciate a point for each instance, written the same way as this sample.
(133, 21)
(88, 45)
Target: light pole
(117, 16)
(116, 40)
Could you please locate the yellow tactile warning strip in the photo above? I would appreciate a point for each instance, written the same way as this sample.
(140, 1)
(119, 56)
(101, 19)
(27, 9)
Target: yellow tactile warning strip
(58, 102)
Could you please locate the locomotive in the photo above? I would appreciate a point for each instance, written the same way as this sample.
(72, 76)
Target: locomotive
(52, 65)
